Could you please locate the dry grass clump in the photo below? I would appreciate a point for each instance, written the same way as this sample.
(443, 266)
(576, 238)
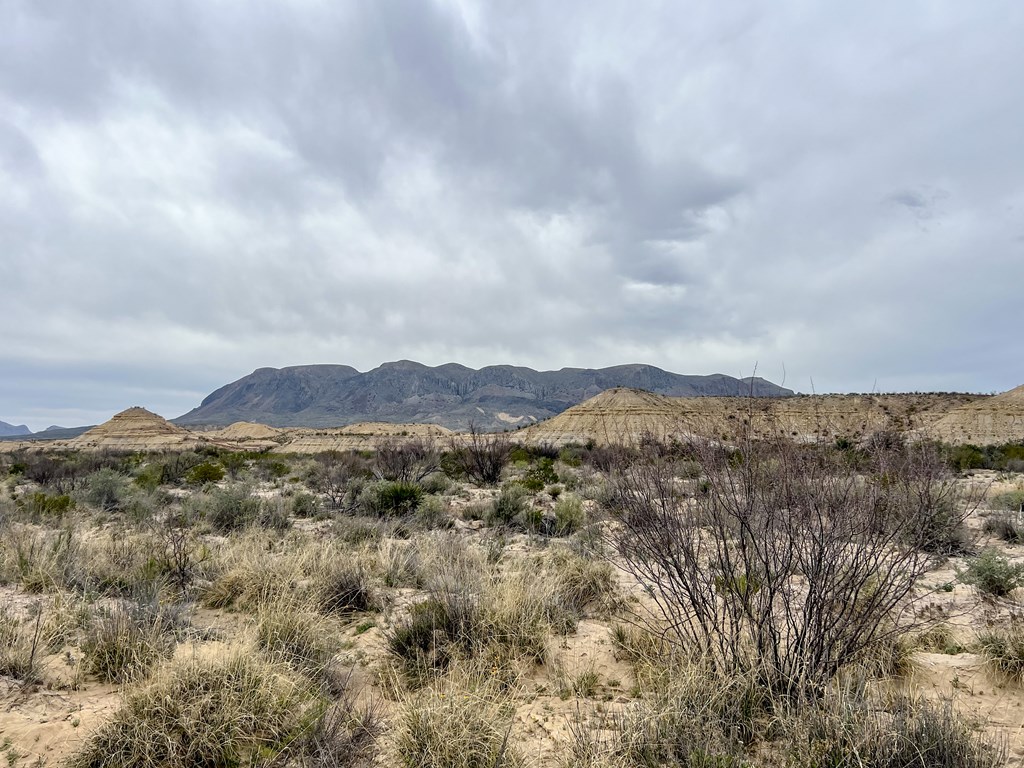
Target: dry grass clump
(1004, 649)
(854, 729)
(344, 587)
(248, 572)
(939, 638)
(41, 560)
(20, 645)
(223, 711)
(296, 635)
(125, 641)
(461, 721)
(703, 719)
(342, 736)
(445, 626)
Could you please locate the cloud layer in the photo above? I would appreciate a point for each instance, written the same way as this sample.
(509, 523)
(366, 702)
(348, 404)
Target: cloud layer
(189, 191)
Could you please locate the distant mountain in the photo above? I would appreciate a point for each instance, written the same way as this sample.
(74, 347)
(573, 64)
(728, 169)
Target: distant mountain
(50, 433)
(452, 395)
(10, 430)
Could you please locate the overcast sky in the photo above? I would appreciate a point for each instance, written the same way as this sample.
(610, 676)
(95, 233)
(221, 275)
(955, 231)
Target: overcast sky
(191, 190)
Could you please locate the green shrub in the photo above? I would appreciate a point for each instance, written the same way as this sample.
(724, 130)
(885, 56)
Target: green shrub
(306, 505)
(569, 515)
(540, 474)
(433, 514)
(207, 472)
(234, 508)
(105, 489)
(46, 505)
(509, 506)
(391, 499)
(1011, 501)
(992, 574)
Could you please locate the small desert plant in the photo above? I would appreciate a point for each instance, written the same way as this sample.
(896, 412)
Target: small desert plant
(1010, 501)
(992, 574)
(569, 515)
(437, 630)
(207, 472)
(234, 508)
(432, 514)
(45, 505)
(510, 508)
(344, 735)
(853, 729)
(391, 499)
(939, 638)
(306, 505)
(289, 633)
(20, 645)
(201, 712)
(1004, 648)
(458, 722)
(105, 489)
(1006, 524)
(124, 642)
(342, 588)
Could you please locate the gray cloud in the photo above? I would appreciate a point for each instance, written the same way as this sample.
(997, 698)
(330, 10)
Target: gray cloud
(189, 191)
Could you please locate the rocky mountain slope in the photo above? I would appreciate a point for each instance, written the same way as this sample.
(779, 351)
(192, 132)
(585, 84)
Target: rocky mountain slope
(11, 430)
(453, 396)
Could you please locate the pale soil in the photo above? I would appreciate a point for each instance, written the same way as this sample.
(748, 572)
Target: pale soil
(51, 721)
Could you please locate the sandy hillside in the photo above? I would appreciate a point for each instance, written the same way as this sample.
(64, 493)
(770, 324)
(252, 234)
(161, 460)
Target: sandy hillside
(996, 419)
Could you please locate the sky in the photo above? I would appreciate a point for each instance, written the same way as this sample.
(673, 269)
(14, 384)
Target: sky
(829, 194)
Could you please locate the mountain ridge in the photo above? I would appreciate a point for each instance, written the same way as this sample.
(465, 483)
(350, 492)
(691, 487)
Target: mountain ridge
(12, 430)
(449, 395)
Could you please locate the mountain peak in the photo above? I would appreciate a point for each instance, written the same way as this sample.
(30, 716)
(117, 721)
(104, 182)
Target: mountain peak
(451, 395)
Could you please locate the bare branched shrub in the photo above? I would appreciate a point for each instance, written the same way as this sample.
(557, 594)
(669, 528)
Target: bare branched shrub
(779, 561)
(481, 456)
(335, 475)
(407, 461)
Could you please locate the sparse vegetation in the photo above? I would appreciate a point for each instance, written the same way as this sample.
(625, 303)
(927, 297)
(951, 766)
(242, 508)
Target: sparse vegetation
(785, 580)
(993, 574)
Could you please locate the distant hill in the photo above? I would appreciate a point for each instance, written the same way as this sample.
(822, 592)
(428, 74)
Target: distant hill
(452, 395)
(10, 430)
(50, 433)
